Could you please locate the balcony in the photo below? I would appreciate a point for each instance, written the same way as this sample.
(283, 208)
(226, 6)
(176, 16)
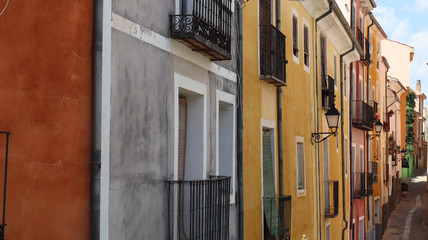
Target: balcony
(362, 115)
(386, 174)
(359, 185)
(199, 209)
(272, 55)
(369, 184)
(205, 27)
(367, 60)
(277, 214)
(360, 37)
(331, 198)
(374, 171)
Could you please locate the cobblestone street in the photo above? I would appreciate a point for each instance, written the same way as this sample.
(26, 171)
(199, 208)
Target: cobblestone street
(407, 220)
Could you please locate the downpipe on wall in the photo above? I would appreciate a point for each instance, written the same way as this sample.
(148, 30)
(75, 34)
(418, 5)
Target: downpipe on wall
(240, 127)
(342, 123)
(329, 11)
(95, 165)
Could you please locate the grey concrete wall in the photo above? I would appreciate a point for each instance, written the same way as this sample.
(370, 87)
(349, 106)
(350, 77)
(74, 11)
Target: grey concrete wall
(142, 123)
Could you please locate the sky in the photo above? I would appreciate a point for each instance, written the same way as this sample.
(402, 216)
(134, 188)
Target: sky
(407, 22)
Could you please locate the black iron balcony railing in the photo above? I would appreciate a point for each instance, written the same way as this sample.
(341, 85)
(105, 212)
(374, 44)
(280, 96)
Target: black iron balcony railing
(367, 54)
(277, 213)
(204, 26)
(331, 205)
(369, 177)
(359, 188)
(362, 115)
(272, 55)
(199, 209)
(360, 37)
(374, 171)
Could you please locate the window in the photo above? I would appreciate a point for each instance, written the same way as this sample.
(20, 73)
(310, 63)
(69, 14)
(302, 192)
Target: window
(353, 17)
(327, 233)
(324, 78)
(361, 229)
(300, 156)
(335, 70)
(345, 150)
(190, 142)
(360, 90)
(326, 176)
(226, 138)
(295, 36)
(345, 85)
(361, 159)
(378, 56)
(306, 45)
(368, 89)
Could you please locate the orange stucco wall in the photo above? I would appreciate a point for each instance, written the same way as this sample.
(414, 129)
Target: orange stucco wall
(45, 88)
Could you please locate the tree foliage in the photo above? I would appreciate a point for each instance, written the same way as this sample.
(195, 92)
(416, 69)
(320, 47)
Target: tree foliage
(410, 122)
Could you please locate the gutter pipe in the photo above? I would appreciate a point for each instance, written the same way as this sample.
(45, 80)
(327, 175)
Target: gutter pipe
(367, 134)
(330, 10)
(342, 139)
(279, 114)
(240, 128)
(95, 164)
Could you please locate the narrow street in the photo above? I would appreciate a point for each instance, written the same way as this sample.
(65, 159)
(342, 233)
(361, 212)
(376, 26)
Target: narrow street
(407, 220)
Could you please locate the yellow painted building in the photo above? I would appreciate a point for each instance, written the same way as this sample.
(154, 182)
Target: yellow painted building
(377, 142)
(308, 168)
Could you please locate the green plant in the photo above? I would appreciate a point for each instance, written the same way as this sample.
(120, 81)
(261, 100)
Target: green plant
(410, 122)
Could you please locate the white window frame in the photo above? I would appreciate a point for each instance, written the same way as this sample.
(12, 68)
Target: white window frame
(301, 192)
(295, 14)
(182, 82)
(327, 225)
(271, 125)
(359, 235)
(230, 99)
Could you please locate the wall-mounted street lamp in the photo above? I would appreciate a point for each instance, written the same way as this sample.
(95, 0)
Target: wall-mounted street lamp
(333, 118)
(378, 128)
(403, 153)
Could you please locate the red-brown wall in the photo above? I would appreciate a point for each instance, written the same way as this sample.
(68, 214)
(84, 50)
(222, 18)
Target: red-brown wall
(45, 101)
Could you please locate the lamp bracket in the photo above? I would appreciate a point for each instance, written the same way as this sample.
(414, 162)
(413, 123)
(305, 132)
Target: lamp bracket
(370, 137)
(316, 137)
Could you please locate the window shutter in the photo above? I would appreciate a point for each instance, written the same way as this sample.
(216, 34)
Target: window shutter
(182, 130)
(295, 39)
(306, 45)
(330, 91)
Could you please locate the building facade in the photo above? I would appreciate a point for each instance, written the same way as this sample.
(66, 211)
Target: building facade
(45, 86)
(171, 107)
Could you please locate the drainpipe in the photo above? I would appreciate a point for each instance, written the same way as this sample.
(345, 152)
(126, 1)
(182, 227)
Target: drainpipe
(279, 114)
(330, 10)
(240, 129)
(342, 122)
(367, 134)
(96, 118)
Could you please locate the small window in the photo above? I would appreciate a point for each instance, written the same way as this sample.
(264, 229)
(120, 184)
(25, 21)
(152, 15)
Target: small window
(345, 150)
(300, 155)
(361, 229)
(345, 85)
(378, 56)
(335, 70)
(295, 37)
(306, 45)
